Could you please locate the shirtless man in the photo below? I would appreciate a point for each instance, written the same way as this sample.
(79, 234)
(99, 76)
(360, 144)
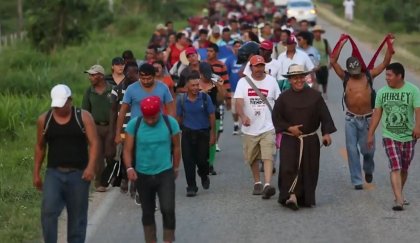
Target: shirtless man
(358, 94)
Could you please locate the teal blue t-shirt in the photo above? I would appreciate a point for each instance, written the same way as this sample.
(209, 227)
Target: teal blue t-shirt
(398, 107)
(153, 148)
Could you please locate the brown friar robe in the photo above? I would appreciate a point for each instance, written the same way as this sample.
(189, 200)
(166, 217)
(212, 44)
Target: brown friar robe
(308, 108)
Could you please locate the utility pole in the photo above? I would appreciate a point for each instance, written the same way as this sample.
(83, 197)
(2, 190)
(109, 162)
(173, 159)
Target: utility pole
(20, 15)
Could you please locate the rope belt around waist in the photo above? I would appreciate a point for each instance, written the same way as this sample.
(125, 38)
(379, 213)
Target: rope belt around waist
(301, 137)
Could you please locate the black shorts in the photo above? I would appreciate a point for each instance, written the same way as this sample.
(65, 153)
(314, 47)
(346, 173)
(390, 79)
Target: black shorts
(322, 75)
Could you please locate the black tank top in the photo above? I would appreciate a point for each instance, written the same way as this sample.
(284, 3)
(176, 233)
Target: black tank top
(67, 144)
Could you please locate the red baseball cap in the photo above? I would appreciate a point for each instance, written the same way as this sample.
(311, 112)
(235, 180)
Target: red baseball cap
(291, 40)
(190, 50)
(266, 45)
(150, 106)
(257, 59)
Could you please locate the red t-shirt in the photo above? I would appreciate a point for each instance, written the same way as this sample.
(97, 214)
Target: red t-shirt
(174, 56)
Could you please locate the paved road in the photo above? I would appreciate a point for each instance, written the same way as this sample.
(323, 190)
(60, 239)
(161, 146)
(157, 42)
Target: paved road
(229, 213)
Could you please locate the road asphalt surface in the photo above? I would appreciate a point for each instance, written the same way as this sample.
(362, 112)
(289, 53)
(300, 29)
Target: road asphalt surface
(227, 212)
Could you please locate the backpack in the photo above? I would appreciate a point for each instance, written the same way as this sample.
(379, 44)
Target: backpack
(370, 81)
(203, 97)
(136, 128)
(77, 115)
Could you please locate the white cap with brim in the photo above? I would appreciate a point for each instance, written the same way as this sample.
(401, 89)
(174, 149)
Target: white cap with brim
(59, 95)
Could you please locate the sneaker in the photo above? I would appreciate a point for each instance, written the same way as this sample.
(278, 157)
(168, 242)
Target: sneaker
(368, 178)
(137, 199)
(211, 171)
(358, 187)
(268, 192)
(205, 182)
(101, 189)
(235, 130)
(258, 189)
(124, 186)
(191, 192)
(218, 148)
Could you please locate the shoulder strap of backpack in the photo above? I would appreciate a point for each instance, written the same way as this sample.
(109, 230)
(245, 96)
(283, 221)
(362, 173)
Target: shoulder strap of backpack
(77, 116)
(79, 119)
(369, 78)
(257, 90)
(136, 129)
(166, 119)
(345, 80)
(205, 102)
(168, 124)
(47, 121)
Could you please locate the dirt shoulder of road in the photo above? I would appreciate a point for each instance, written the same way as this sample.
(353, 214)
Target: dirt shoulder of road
(360, 31)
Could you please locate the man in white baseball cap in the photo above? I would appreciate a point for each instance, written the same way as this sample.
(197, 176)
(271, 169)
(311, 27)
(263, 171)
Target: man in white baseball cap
(59, 95)
(72, 141)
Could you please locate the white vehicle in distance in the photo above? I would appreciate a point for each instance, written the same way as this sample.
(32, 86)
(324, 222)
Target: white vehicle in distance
(302, 10)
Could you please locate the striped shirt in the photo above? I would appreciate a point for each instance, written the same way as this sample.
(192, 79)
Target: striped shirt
(117, 95)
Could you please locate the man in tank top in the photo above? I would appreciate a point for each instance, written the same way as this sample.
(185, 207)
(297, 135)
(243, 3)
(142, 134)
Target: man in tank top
(71, 137)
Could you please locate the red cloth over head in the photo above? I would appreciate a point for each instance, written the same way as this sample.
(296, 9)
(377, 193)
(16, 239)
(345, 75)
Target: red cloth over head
(356, 52)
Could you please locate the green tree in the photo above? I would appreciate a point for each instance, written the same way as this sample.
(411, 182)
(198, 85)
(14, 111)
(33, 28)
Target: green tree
(58, 23)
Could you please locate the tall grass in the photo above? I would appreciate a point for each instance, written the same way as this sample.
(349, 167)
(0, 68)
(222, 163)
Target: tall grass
(27, 77)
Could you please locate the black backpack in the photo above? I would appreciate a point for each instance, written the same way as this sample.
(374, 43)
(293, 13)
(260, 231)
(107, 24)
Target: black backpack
(136, 128)
(370, 81)
(77, 115)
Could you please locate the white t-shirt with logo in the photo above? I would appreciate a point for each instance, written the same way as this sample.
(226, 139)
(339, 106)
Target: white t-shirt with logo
(254, 106)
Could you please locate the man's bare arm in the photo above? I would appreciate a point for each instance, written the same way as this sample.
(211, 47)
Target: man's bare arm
(93, 141)
(416, 131)
(334, 58)
(120, 121)
(39, 152)
(170, 108)
(176, 141)
(381, 67)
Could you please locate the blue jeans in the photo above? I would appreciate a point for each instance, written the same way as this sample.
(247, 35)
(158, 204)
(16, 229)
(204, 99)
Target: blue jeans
(356, 144)
(64, 189)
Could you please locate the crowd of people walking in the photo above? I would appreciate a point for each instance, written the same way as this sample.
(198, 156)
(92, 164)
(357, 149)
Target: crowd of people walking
(245, 58)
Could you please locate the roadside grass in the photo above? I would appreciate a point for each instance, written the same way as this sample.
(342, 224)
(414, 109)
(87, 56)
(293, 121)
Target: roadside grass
(407, 46)
(25, 83)
(20, 202)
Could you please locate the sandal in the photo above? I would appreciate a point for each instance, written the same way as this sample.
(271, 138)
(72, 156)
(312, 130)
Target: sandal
(398, 207)
(292, 204)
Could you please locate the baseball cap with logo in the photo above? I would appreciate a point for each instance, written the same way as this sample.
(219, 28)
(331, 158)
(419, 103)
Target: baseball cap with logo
(59, 95)
(266, 45)
(257, 59)
(353, 66)
(150, 106)
(96, 69)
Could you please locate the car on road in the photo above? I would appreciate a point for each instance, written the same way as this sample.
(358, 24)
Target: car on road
(302, 10)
